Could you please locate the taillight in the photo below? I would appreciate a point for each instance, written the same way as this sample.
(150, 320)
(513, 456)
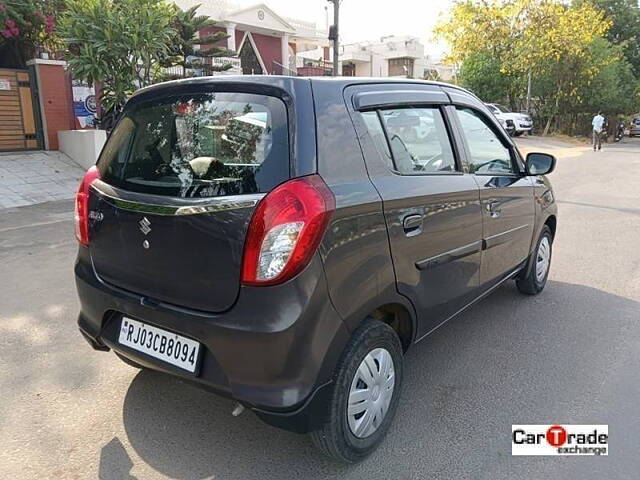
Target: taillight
(285, 230)
(82, 205)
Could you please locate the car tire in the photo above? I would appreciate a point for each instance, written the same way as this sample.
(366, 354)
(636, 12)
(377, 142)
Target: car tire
(517, 133)
(129, 362)
(533, 282)
(346, 435)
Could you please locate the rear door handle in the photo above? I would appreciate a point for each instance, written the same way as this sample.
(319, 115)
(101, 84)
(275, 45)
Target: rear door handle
(412, 224)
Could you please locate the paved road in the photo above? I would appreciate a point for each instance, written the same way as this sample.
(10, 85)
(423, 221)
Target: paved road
(570, 355)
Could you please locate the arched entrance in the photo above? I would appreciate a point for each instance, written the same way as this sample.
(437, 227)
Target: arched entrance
(249, 57)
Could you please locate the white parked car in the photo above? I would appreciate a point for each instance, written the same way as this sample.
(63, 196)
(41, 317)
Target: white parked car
(521, 121)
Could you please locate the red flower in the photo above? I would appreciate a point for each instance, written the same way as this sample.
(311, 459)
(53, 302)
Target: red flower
(2, 8)
(50, 24)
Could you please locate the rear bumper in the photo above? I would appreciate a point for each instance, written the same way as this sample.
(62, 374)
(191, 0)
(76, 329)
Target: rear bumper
(274, 351)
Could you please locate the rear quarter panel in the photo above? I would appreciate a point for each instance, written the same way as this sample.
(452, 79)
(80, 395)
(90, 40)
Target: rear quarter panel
(355, 248)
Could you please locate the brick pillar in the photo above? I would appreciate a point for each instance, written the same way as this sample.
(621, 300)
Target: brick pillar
(55, 97)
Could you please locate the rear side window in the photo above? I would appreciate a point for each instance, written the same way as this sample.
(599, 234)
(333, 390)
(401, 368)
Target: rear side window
(417, 138)
(374, 127)
(202, 145)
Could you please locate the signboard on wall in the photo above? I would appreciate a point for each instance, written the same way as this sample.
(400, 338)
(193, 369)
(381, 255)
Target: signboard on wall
(5, 84)
(84, 104)
(235, 69)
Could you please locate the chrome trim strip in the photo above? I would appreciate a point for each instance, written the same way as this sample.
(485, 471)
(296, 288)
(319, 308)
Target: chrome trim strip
(170, 205)
(449, 256)
(500, 238)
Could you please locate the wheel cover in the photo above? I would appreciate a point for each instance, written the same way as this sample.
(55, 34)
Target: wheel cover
(543, 259)
(371, 393)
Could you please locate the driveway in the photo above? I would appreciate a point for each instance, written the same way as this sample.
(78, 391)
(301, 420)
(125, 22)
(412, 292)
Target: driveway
(570, 355)
(29, 177)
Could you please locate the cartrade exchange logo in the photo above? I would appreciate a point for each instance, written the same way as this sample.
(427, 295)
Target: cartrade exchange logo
(559, 440)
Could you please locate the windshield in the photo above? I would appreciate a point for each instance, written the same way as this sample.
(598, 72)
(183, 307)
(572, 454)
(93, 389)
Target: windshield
(503, 109)
(203, 145)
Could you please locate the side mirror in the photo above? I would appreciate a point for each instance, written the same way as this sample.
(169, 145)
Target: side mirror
(540, 163)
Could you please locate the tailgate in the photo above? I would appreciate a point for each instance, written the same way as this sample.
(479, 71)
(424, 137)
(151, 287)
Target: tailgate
(179, 179)
(183, 253)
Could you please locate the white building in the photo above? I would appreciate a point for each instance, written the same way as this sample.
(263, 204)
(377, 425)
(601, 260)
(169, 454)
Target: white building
(264, 41)
(391, 56)
(436, 70)
(269, 43)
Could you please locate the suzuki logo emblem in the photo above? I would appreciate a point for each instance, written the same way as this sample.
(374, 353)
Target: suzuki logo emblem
(145, 225)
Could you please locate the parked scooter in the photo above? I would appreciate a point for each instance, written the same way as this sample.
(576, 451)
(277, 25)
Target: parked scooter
(619, 132)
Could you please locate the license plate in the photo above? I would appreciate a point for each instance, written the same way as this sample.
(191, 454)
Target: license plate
(166, 346)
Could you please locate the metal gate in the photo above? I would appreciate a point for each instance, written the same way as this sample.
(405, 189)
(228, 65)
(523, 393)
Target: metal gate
(18, 120)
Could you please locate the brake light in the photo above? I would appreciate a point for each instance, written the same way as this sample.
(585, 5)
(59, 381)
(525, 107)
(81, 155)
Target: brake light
(81, 215)
(285, 230)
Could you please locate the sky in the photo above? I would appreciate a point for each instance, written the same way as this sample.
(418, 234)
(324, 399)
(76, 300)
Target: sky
(370, 19)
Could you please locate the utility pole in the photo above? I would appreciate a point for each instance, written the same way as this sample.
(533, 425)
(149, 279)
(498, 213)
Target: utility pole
(333, 35)
(529, 91)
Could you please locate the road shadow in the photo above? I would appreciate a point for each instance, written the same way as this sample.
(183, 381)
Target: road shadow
(509, 359)
(115, 463)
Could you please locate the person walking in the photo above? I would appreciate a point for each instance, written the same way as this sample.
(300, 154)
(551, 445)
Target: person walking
(598, 124)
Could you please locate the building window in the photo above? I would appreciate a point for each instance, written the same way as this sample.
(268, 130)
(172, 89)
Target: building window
(348, 70)
(401, 67)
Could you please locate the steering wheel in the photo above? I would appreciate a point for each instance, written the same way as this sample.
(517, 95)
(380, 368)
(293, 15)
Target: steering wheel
(430, 164)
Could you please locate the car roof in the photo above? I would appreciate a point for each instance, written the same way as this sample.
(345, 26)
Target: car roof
(284, 80)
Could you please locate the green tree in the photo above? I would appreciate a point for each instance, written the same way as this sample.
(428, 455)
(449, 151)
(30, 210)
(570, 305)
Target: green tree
(483, 36)
(625, 26)
(483, 73)
(557, 42)
(117, 43)
(187, 24)
(551, 40)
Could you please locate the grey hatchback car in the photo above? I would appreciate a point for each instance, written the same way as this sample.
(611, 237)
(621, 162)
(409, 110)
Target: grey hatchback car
(283, 241)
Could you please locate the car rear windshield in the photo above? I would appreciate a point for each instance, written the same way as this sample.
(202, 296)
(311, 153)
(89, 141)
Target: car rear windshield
(201, 145)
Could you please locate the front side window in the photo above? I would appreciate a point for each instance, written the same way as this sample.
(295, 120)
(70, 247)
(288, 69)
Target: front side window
(419, 140)
(201, 145)
(487, 154)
